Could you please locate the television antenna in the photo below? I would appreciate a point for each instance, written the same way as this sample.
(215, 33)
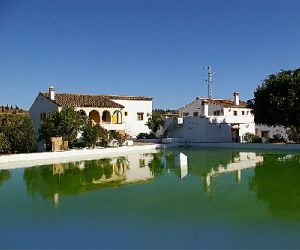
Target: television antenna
(209, 81)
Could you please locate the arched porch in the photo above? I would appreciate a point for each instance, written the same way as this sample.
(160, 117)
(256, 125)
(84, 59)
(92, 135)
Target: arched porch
(94, 117)
(117, 117)
(106, 117)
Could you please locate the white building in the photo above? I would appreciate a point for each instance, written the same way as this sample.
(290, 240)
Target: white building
(212, 120)
(125, 114)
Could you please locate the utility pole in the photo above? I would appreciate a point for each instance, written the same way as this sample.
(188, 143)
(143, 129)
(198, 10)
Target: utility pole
(209, 81)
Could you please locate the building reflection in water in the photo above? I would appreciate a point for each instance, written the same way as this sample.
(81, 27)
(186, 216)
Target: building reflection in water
(181, 160)
(228, 163)
(240, 161)
(57, 180)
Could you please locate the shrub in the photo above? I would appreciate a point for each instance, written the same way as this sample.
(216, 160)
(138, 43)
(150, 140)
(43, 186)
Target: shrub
(94, 135)
(277, 139)
(252, 138)
(294, 133)
(118, 137)
(18, 131)
(146, 136)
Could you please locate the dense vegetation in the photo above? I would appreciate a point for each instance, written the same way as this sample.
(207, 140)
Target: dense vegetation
(65, 124)
(277, 102)
(16, 134)
(156, 121)
(69, 123)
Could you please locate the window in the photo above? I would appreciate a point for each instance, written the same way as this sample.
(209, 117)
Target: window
(42, 117)
(140, 116)
(126, 113)
(243, 112)
(142, 163)
(195, 114)
(235, 113)
(265, 134)
(217, 112)
(185, 114)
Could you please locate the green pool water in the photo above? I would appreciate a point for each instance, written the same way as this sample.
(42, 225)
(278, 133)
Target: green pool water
(219, 199)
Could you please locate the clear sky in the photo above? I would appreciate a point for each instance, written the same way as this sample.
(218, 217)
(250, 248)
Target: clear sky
(156, 48)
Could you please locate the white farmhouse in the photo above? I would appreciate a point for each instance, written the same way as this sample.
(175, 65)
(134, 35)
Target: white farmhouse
(125, 114)
(212, 120)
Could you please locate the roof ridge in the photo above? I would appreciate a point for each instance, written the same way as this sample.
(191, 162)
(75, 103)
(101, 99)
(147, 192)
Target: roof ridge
(59, 93)
(83, 100)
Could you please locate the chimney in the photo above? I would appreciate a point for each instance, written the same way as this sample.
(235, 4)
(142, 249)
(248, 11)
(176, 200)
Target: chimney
(52, 93)
(205, 108)
(236, 99)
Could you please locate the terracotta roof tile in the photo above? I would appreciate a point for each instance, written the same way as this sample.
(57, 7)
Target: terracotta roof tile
(83, 100)
(227, 103)
(126, 97)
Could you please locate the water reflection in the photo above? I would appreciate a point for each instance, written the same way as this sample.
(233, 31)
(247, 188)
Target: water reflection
(277, 184)
(56, 180)
(4, 176)
(240, 161)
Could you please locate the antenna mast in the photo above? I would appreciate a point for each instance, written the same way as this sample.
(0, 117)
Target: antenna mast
(209, 81)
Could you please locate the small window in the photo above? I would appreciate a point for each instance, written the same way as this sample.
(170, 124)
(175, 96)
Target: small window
(126, 113)
(140, 116)
(195, 114)
(142, 163)
(243, 112)
(265, 134)
(42, 117)
(247, 112)
(235, 113)
(217, 112)
(185, 114)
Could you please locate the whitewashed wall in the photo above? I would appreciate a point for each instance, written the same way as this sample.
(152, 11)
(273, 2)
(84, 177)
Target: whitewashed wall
(210, 129)
(41, 105)
(197, 129)
(272, 130)
(133, 126)
(195, 106)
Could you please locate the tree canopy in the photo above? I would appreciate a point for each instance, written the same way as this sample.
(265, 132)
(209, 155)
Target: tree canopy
(17, 134)
(277, 100)
(66, 124)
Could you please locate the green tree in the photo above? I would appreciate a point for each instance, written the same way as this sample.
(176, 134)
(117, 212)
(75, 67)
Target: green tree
(157, 119)
(4, 144)
(92, 135)
(66, 124)
(118, 137)
(19, 132)
(277, 102)
(294, 133)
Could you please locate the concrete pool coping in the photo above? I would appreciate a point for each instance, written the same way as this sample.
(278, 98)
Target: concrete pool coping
(42, 158)
(33, 159)
(254, 146)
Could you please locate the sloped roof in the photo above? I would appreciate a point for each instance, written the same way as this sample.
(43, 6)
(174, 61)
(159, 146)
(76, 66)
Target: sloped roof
(220, 102)
(127, 97)
(83, 100)
(227, 103)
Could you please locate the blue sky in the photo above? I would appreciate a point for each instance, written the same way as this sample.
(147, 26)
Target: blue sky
(156, 48)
